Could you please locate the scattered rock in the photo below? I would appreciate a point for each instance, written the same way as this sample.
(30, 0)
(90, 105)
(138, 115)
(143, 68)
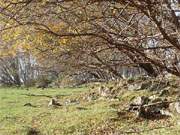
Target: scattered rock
(157, 99)
(169, 76)
(54, 102)
(152, 85)
(92, 96)
(71, 102)
(102, 99)
(147, 112)
(139, 86)
(137, 102)
(114, 99)
(53, 85)
(166, 113)
(132, 87)
(43, 86)
(153, 97)
(104, 91)
(177, 106)
(178, 123)
(33, 131)
(150, 107)
(140, 100)
(107, 92)
(172, 108)
(121, 84)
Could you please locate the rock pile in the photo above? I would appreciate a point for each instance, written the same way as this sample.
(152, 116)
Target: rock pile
(148, 84)
(101, 92)
(150, 107)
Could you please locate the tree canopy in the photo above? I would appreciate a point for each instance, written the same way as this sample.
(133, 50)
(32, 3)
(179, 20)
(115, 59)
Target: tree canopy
(94, 35)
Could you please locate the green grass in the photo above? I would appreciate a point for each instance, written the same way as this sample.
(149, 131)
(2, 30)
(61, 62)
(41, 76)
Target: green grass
(98, 116)
(15, 118)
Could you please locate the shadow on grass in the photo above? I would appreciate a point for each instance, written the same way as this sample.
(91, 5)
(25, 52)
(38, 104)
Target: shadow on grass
(47, 96)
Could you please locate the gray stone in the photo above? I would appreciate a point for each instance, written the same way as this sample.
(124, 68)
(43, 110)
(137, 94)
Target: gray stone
(150, 107)
(107, 92)
(71, 102)
(133, 87)
(139, 86)
(54, 102)
(141, 100)
(177, 107)
(104, 93)
(157, 99)
(178, 123)
(166, 113)
(137, 102)
(153, 97)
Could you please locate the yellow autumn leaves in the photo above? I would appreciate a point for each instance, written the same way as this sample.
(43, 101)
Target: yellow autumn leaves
(22, 39)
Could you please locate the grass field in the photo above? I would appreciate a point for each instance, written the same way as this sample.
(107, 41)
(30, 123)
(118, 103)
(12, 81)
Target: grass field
(15, 118)
(95, 117)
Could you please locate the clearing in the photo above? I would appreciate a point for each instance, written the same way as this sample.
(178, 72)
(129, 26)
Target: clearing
(74, 117)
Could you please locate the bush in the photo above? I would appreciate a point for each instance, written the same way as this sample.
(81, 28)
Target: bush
(43, 82)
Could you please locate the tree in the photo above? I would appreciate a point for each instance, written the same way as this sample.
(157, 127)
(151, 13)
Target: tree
(104, 35)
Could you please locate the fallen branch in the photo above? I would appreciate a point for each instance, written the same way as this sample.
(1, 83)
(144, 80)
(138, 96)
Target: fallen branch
(158, 103)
